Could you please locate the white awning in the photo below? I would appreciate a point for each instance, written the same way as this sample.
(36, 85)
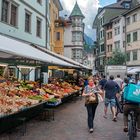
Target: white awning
(65, 58)
(10, 47)
(133, 70)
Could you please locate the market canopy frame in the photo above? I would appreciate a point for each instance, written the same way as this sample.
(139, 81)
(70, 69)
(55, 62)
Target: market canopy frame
(66, 59)
(11, 49)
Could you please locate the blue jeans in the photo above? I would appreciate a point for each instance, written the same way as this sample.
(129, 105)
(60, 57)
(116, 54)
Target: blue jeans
(112, 102)
(91, 108)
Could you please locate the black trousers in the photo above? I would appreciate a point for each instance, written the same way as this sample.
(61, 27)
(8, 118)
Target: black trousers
(91, 109)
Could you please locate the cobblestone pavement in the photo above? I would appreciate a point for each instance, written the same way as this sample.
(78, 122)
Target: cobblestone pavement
(71, 124)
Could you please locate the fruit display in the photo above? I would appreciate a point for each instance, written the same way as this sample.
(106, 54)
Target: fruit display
(18, 95)
(59, 90)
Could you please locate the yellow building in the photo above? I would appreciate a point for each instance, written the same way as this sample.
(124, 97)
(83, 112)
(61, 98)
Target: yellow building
(59, 41)
(60, 24)
(55, 6)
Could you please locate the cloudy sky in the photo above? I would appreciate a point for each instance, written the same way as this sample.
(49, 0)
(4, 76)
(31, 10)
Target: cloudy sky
(89, 9)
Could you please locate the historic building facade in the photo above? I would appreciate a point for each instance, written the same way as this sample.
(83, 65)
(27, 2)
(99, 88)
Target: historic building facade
(74, 35)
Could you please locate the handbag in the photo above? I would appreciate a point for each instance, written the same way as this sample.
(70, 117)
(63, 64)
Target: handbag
(100, 98)
(132, 93)
(92, 98)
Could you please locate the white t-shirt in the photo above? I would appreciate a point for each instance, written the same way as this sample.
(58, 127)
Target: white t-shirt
(119, 81)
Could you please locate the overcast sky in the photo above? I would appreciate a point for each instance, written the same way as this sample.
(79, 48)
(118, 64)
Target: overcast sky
(89, 9)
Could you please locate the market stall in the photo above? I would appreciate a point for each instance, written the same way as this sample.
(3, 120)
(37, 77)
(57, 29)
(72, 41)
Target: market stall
(27, 98)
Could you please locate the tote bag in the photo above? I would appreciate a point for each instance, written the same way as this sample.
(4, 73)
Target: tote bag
(132, 93)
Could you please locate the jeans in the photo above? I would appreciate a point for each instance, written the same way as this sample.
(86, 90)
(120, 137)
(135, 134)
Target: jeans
(112, 102)
(91, 108)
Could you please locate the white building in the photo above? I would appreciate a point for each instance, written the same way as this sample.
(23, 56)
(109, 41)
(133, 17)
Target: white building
(48, 24)
(132, 18)
(118, 25)
(24, 20)
(73, 36)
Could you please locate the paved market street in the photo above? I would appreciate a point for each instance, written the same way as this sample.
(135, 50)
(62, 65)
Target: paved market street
(70, 124)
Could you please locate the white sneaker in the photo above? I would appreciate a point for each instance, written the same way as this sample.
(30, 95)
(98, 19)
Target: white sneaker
(91, 130)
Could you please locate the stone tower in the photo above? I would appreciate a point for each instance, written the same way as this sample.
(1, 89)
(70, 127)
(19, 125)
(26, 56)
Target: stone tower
(77, 17)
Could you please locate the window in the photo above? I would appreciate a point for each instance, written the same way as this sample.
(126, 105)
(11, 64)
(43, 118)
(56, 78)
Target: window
(102, 48)
(5, 11)
(128, 38)
(135, 36)
(135, 55)
(27, 22)
(117, 30)
(127, 20)
(109, 35)
(134, 18)
(128, 56)
(58, 36)
(107, 48)
(77, 36)
(101, 34)
(117, 44)
(77, 23)
(39, 1)
(123, 29)
(123, 44)
(110, 48)
(38, 27)
(101, 21)
(77, 54)
(101, 61)
(9, 12)
(13, 15)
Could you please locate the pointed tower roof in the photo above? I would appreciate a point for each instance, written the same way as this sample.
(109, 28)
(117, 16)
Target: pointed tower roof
(76, 11)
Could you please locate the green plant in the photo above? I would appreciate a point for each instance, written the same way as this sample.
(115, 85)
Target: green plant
(118, 58)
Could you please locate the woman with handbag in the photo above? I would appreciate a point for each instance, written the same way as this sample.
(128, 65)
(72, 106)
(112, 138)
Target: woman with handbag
(90, 93)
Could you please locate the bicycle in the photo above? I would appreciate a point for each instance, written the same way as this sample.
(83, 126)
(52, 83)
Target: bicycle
(132, 130)
(119, 106)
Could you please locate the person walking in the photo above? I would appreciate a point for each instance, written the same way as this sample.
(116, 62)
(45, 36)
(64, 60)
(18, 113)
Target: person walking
(119, 81)
(102, 82)
(111, 89)
(90, 93)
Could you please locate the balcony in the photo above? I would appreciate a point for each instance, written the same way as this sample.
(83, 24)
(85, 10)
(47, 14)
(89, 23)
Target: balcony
(78, 43)
(77, 29)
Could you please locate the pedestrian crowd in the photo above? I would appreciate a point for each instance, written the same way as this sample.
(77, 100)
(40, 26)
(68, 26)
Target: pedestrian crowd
(110, 91)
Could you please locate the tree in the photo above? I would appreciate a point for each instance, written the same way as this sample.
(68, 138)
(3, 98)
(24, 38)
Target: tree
(118, 58)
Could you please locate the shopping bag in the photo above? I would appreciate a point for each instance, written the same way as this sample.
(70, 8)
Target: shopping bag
(132, 93)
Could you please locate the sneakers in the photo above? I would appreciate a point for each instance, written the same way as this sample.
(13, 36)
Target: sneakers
(114, 119)
(125, 129)
(91, 130)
